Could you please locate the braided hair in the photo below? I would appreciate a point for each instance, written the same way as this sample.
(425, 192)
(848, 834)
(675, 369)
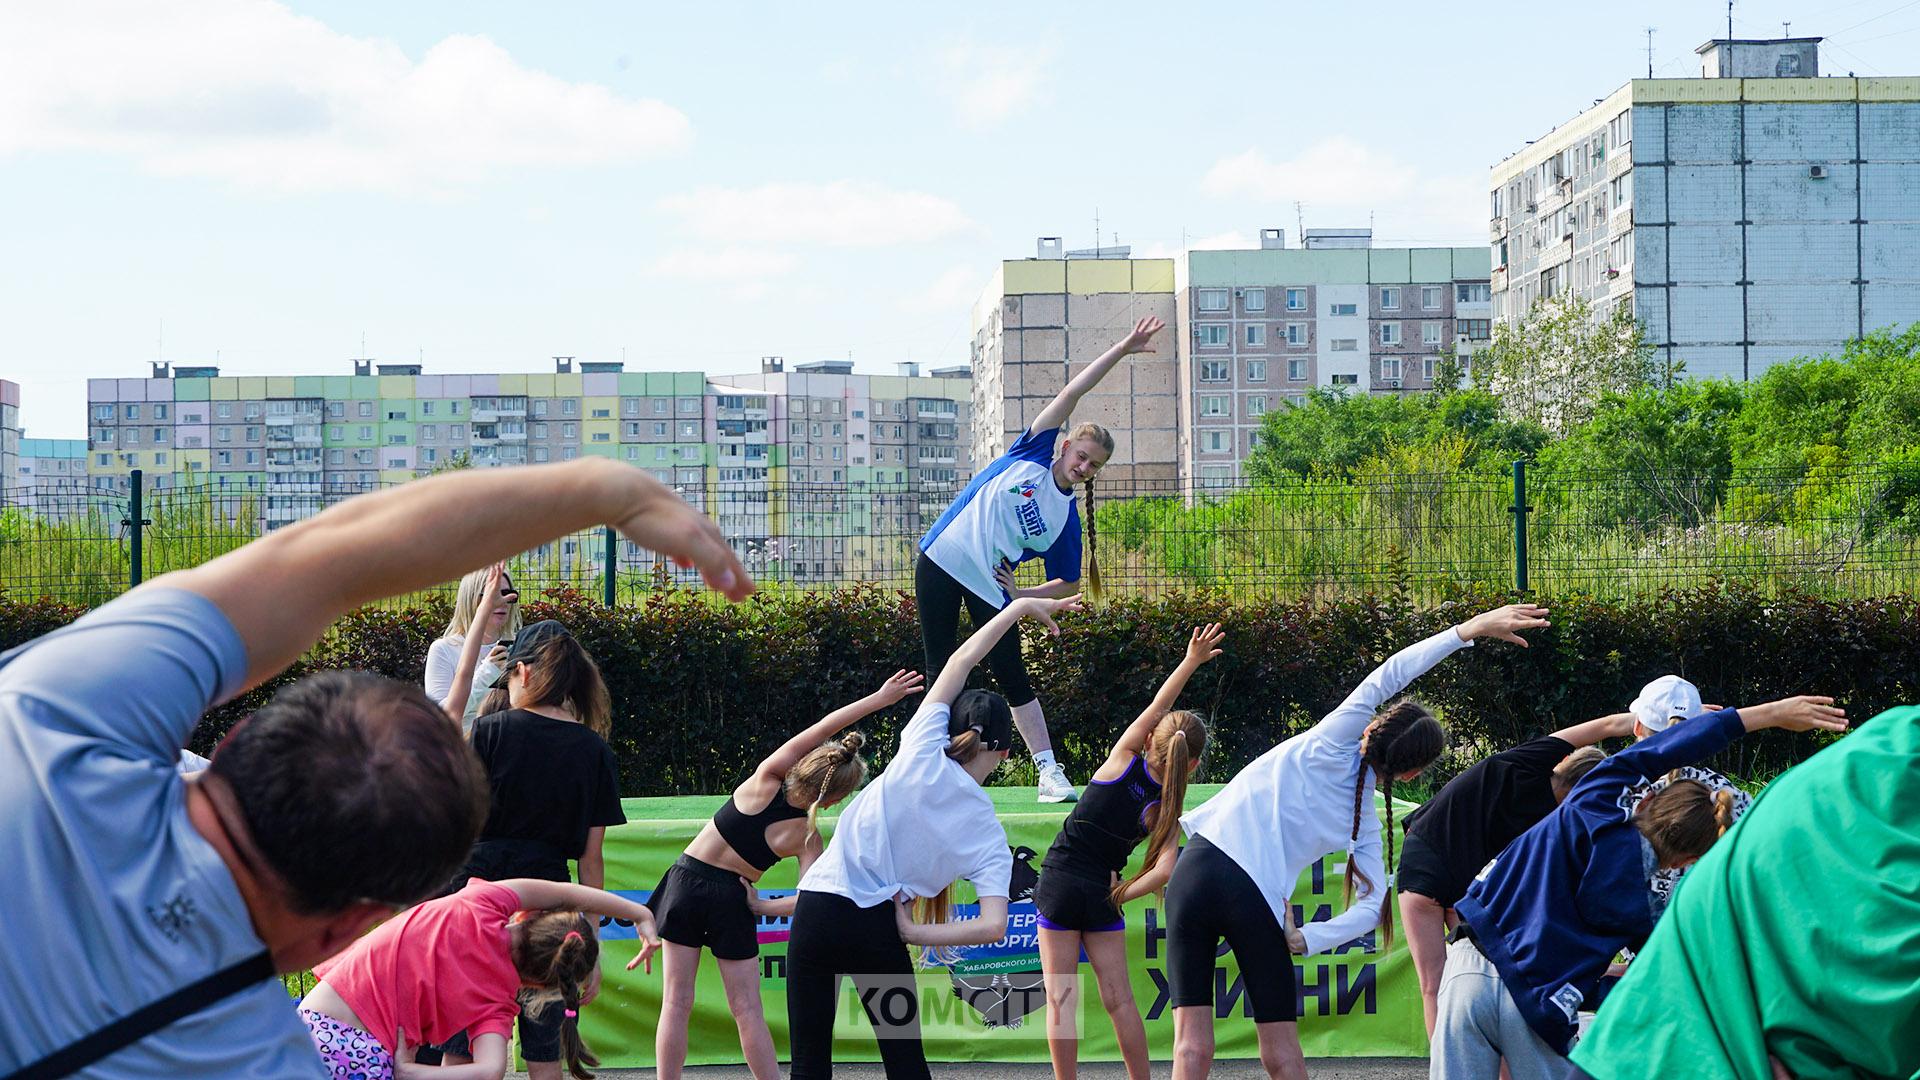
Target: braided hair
(556, 956)
(1404, 737)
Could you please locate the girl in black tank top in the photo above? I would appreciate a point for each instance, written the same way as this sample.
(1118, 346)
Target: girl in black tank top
(707, 899)
(1136, 795)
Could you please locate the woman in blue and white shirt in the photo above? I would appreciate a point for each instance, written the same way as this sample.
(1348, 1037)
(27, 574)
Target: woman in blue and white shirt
(1019, 507)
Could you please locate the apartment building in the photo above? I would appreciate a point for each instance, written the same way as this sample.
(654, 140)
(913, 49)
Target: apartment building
(9, 433)
(1259, 328)
(47, 470)
(1042, 320)
(1754, 214)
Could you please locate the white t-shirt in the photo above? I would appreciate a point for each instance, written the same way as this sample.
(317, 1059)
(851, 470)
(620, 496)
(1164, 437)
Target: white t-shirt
(1010, 512)
(916, 829)
(1294, 803)
(443, 659)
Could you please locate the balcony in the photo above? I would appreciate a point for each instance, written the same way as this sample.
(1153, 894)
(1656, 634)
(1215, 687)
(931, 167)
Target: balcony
(1498, 279)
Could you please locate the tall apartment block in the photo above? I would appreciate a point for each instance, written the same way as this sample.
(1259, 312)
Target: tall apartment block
(1262, 327)
(1755, 214)
(48, 470)
(1042, 320)
(9, 433)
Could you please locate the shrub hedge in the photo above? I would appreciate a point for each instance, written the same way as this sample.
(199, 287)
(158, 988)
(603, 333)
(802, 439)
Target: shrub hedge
(702, 690)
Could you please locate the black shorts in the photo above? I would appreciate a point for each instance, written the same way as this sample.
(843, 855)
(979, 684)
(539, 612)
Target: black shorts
(1424, 870)
(705, 907)
(539, 1037)
(1076, 899)
(1209, 898)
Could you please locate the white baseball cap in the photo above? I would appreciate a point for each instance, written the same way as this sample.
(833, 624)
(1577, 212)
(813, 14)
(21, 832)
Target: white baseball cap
(1664, 700)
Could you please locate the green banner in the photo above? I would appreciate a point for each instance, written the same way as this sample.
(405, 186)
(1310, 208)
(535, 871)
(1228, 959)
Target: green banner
(988, 1004)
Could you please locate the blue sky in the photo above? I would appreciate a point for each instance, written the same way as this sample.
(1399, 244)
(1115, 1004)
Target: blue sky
(693, 186)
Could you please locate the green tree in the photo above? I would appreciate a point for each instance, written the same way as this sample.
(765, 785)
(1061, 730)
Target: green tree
(1332, 432)
(1656, 453)
(1553, 366)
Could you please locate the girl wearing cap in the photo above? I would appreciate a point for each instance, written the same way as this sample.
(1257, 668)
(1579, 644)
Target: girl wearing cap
(1019, 507)
(554, 789)
(1540, 924)
(1663, 703)
(486, 610)
(907, 836)
(700, 903)
(1249, 844)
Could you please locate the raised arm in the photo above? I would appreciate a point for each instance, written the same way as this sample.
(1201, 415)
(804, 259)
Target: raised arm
(1346, 723)
(537, 895)
(953, 678)
(461, 687)
(282, 591)
(1694, 740)
(1617, 726)
(1203, 646)
(900, 685)
(1063, 403)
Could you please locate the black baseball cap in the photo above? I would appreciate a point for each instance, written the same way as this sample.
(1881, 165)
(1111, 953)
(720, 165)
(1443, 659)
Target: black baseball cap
(985, 712)
(529, 639)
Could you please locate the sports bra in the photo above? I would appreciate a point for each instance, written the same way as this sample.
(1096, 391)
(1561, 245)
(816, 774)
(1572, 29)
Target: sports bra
(747, 833)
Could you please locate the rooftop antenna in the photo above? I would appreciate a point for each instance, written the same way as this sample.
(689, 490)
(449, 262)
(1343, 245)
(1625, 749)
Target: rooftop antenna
(1299, 223)
(1096, 231)
(1729, 20)
(1786, 29)
(1649, 52)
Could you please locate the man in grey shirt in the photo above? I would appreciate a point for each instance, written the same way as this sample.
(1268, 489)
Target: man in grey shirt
(346, 798)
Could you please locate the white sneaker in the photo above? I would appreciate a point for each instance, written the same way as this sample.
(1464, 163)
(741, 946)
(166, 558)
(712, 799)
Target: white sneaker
(1054, 785)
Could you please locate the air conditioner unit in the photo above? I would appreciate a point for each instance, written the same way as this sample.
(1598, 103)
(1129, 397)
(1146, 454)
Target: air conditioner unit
(1817, 172)
(1391, 384)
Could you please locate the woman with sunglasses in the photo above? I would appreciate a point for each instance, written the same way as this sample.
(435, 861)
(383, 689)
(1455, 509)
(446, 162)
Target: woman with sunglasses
(487, 626)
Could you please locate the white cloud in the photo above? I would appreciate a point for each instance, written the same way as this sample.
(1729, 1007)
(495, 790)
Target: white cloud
(954, 290)
(985, 84)
(723, 264)
(845, 213)
(248, 91)
(1347, 177)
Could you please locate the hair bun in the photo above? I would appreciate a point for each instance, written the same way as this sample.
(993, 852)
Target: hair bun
(852, 741)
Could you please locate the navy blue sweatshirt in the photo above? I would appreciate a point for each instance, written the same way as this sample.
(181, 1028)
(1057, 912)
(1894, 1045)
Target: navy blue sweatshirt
(1552, 909)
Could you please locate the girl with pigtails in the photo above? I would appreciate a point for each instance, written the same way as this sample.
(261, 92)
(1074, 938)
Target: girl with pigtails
(1249, 844)
(1019, 507)
(1135, 795)
(701, 902)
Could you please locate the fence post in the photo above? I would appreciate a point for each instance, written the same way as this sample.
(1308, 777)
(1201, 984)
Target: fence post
(135, 520)
(610, 594)
(1520, 510)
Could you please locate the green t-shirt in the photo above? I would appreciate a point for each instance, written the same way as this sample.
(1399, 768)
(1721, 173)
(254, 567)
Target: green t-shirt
(1797, 935)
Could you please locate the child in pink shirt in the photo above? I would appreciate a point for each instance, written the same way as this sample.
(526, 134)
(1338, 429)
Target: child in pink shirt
(395, 989)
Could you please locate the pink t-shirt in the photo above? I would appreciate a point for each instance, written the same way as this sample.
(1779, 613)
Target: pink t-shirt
(434, 970)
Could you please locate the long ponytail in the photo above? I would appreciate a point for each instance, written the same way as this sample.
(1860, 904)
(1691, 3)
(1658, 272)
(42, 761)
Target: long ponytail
(558, 951)
(1402, 738)
(1178, 740)
(1093, 546)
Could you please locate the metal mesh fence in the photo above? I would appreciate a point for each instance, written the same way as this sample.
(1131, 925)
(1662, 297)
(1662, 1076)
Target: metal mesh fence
(1852, 531)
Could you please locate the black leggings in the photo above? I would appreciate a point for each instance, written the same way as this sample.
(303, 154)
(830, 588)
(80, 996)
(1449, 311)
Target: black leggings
(832, 937)
(939, 597)
(1210, 897)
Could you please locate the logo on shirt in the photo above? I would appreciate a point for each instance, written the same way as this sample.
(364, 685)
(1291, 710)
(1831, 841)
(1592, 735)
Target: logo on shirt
(1568, 999)
(1032, 523)
(174, 916)
(1024, 489)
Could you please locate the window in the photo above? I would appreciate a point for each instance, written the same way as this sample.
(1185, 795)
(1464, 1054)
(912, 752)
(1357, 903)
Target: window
(1345, 379)
(253, 457)
(1256, 371)
(1430, 297)
(366, 408)
(223, 457)
(1474, 329)
(131, 437)
(366, 431)
(1345, 344)
(159, 434)
(336, 410)
(133, 412)
(660, 429)
(1214, 405)
(159, 412)
(1390, 299)
(837, 429)
(103, 412)
(426, 408)
(223, 434)
(1389, 333)
(1390, 368)
(1427, 365)
(1622, 189)
(1215, 371)
(334, 457)
(539, 431)
(1430, 332)
(659, 406)
(1473, 293)
(570, 407)
(602, 414)
(800, 452)
(1213, 441)
(690, 406)
(540, 407)
(629, 406)
(836, 453)
(541, 453)
(1297, 370)
(253, 433)
(396, 463)
(689, 429)
(1256, 335)
(1210, 334)
(396, 414)
(104, 459)
(396, 440)
(1212, 300)
(569, 430)
(659, 453)
(1254, 299)
(428, 433)
(602, 436)
(1344, 309)
(159, 459)
(1296, 299)
(1257, 406)
(1296, 333)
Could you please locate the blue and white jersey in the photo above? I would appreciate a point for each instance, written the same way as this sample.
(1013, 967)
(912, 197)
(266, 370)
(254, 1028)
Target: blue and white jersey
(1012, 511)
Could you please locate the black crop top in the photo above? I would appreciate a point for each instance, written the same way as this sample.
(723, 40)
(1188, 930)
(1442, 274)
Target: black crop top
(747, 834)
(1108, 822)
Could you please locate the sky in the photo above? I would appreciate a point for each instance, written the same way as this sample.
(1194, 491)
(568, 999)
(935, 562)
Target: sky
(480, 186)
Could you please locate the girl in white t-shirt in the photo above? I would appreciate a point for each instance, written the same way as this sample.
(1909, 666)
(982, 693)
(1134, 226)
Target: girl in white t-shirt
(1019, 507)
(1249, 844)
(922, 824)
(443, 656)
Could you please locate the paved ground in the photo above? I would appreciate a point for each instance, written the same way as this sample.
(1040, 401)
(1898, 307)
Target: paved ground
(1343, 1068)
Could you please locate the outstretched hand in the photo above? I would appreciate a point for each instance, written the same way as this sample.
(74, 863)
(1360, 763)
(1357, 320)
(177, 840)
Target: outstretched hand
(901, 684)
(1505, 623)
(489, 600)
(1803, 713)
(1205, 643)
(662, 522)
(1045, 609)
(1141, 340)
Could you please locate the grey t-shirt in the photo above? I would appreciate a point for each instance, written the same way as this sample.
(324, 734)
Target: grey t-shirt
(115, 900)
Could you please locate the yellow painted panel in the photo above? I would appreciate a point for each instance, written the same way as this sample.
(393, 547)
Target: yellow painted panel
(1087, 276)
(1904, 88)
(224, 388)
(569, 385)
(540, 386)
(1685, 91)
(1035, 276)
(395, 476)
(280, 386)
(1797, 89)
(611, 404)
(395, 387)
(513, 385)
(589, 428)
(1153, 275)
(250, 388)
